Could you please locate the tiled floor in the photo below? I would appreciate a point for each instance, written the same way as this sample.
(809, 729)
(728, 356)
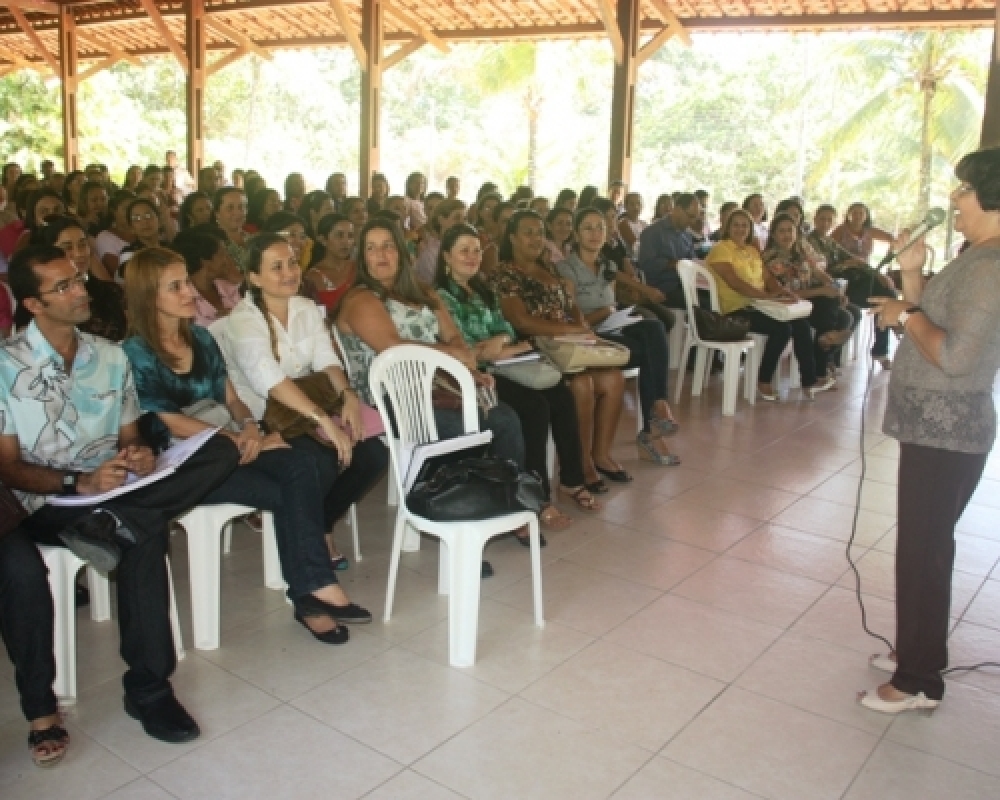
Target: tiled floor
(703, 641)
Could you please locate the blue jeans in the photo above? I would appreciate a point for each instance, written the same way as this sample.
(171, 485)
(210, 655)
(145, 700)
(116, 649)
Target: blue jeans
(647, 346)
(508, 440)
(289, 484)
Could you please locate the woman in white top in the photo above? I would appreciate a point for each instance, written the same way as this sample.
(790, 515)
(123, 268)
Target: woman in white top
(111, 242)
(276, 336)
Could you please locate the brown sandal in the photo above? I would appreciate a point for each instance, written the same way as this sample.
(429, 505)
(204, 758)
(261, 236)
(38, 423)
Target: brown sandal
(552, 519)
(48, 746)
(581, 495)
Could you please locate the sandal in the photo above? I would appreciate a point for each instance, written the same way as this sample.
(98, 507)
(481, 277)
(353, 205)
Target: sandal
(48, 746)
(911, 702)
(583, 496)
(648, 452)
(616, 475)
(597, 487)
(552, 519)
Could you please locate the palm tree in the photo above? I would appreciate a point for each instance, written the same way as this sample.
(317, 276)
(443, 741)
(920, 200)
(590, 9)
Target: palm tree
(513, 68)
(924, 102)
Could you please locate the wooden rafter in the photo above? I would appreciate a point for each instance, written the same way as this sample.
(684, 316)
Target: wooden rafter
(22, 63)
(403, 51)
(610, 20)
(672, 28)
(226, 60)
(149, 6)
(29, 31)
(415, 25)
(113, 52)
(344, 20)
(33, 5)
(237, 37)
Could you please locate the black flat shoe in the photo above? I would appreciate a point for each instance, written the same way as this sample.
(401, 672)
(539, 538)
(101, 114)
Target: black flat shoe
(92, 539)
(597, 487)
(164, 719)
(525, 541)
(616, 475)
(338, 635)
(351, 613)
(486, 571)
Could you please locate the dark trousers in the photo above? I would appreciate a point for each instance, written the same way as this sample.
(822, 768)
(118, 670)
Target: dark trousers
(934, 488)
(647, 345)
(288, 484)
(508, 439)
(538, 409)
(651, 310)
(778, 333)
(369, 461)
(827, 315)
(147, 644)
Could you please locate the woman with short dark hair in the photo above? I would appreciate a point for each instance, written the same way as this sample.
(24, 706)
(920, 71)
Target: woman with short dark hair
(940, 409)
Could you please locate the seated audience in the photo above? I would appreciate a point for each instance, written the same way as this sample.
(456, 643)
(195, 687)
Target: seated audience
(725, 210)
(452, 187)
(92, 208)
(195, 210)
(741, 278)
(315, 205)
(558, 234)
(356, 211)
(477, 314)
(332, 274)
(91, 450)
(117, 235)
(445, 216)
(753, 204)
(566, 199)
(416, 188)
(665, 242)
(261, 205)
(498, 219)
(231, 215)
(71, 190)
(293, 229)
(214, 276)
(587, 197)
(630, 226)
(593, 279)
(144, 222)
(537, 302)
(182, 382)
(336, 187)
(379, 194)
(42, 204)
(277, 336)
(295, 192)
(664, 205)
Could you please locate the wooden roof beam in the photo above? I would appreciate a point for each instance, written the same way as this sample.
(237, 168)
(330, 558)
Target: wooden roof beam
(344, 20)
(405, 50)
(16, 63)
(33, 5)
(610, 20)
(230, 58)
(29, 31)
(416, 26)
(237, 37)
(672, 28)
(149, 6)
(113, 52)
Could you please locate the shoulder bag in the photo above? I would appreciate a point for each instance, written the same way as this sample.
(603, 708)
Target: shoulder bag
(783, 312)
(538, 375)
(572, 354)
(474, 489)
(715, 327)
(279, 418)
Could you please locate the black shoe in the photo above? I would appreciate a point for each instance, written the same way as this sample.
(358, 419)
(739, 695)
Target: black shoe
(92, 539)
(525, 541)
(486, 571)
(351, 613)
(338, 635)
(81, 596)
(164, 719)
(616, 475)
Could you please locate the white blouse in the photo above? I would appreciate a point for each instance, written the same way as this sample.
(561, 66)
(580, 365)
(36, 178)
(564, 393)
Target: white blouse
(304, 347)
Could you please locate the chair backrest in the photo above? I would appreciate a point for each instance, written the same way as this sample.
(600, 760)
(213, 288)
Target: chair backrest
(339, 345)
(220, 332)
(401, 380)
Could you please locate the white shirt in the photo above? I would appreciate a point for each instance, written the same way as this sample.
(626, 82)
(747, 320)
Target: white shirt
(109, 242)
(304, 347)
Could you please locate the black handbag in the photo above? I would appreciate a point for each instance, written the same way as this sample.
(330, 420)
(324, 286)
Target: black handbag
(474, 489)
(12, 513)
(715, 327)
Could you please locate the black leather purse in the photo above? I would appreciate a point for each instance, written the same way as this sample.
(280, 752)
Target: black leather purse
(715, 327)
(12, 513)
(476, 488)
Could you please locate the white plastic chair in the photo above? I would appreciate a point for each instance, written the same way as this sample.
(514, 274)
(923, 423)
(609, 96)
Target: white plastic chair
(634, 373)
(401, 377)
(675, 340)
(63, 566)
(205, 526)
(689, 273)
(752, 368)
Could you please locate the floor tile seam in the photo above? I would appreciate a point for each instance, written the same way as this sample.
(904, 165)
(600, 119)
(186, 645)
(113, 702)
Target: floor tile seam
(715, 555)
(700, 771)
(961, 617)
(918, 749)
(388, 780)
(652, 757)
(152, 780)
(786, 571)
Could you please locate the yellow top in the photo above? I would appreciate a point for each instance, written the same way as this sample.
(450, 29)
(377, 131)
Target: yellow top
(747, 266)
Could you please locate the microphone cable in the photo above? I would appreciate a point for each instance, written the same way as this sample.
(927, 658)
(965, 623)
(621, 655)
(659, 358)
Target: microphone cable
(857, 508)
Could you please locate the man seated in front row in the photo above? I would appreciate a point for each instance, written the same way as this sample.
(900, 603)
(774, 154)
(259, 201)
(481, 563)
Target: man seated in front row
(665, 242)
(68, 411)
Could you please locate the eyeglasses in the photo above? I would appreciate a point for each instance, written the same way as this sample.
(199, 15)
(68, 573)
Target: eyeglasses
(143, 217)
(963, 188)
(79, 281)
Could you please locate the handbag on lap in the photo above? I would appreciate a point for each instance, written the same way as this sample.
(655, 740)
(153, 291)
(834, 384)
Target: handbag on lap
(783, 312)
(575, 354)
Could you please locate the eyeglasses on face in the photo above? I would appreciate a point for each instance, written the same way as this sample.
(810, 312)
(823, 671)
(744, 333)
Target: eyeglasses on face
(78, 281)
(143, 217)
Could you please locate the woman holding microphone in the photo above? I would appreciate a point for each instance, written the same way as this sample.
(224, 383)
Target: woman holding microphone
(940, 408)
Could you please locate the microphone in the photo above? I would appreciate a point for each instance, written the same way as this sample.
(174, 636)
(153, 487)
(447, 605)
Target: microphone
(935, 217)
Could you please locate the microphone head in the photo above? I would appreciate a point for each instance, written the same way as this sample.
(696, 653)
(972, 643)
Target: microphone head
(935, 216)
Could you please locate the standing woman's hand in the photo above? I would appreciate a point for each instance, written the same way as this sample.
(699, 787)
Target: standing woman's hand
(910, 259)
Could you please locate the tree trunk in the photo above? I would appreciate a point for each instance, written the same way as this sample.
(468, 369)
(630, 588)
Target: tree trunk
(928, 87)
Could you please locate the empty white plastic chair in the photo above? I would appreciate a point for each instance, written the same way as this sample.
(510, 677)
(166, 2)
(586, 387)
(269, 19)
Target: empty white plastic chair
(205, 526)
(63, 566)
(690, 273)
(401, 378)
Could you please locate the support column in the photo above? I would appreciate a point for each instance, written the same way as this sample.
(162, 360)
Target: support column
(372, 30)
(68, 85)
(623, 93)
(197, 72)
(991, 114)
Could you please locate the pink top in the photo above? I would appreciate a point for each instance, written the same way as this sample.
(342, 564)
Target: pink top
(205, 313)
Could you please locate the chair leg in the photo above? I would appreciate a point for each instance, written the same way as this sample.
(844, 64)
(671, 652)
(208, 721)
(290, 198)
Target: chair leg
(536, 572)
(273, 579)
(63, 567)
(411, 541)
(465, 557)
(205, 560)
(675, 343)
(352, 520)
(100, 595)
(227, 538)
(682, 368)
(393, 493)
(444, 568)
(550, 458)
(397, 547)
(175, 620)
(730, 384)
(698, 379)
(638, 409)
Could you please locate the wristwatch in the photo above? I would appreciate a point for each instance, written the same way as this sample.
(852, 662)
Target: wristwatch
(69, 482)
(905, 315)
